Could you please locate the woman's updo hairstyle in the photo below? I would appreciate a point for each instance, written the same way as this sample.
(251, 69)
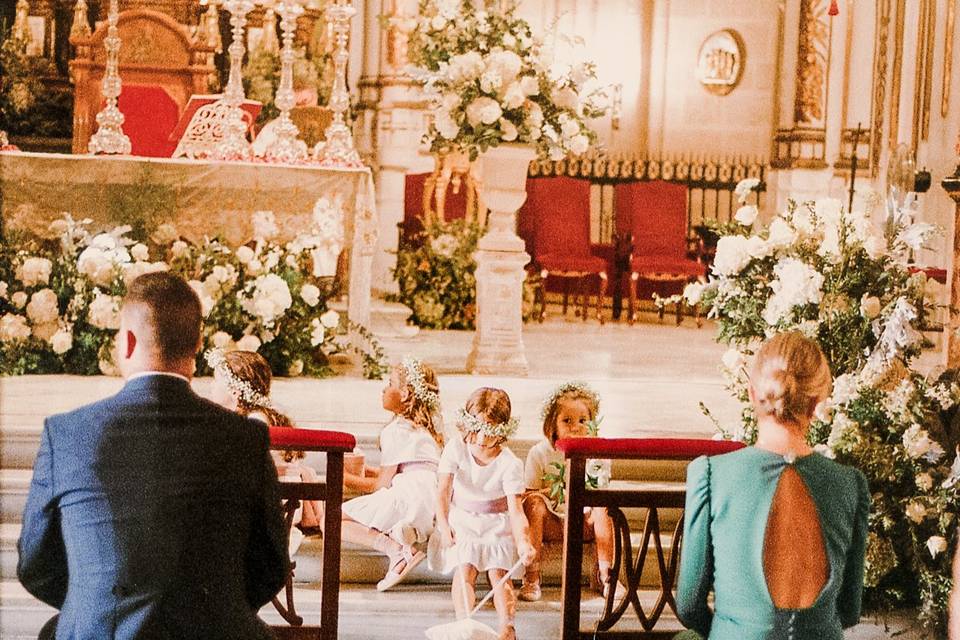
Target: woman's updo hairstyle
(788, 372)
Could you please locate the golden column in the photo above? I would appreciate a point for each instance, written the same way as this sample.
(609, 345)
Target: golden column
(952, 186)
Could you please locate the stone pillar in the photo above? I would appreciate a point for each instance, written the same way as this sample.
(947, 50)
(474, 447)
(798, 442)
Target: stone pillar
(952, 327)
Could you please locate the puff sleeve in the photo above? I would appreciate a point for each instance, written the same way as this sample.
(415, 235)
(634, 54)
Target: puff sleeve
(696, 559)
(851, 591)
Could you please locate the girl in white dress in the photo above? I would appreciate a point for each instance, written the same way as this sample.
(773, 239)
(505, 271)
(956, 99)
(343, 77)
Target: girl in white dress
(480, 521)
(398, 515)
(569, 412)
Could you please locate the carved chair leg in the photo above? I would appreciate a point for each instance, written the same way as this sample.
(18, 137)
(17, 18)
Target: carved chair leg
(696, 315)
(632, 316)
(679, 311)
(602, 291)
(585, 296)
(542, 294)
(566, 294)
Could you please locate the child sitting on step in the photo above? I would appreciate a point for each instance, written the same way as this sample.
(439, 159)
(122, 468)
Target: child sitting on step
(569, 412)
(398, 514)
(480, 521)
(241, 383)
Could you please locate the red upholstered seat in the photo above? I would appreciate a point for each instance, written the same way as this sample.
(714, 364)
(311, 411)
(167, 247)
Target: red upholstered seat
(149, 116)
(310, 439)
(555, 223)
(645, 448)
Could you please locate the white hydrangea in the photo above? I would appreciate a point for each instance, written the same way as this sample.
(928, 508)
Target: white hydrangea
(61, 341)
(693, 293)
(244, 254)
(34, 271)
(248, 343)
(918, 444)
(136, 269)
(310, 294)
(43, 307)
(13, 328)
(845, 388)
(733, 255)
(483, 110)
(797, 283)
(780, 233)
(104, 312)
(269, 298)
(330, 319)
(102, 260)
(140, 252)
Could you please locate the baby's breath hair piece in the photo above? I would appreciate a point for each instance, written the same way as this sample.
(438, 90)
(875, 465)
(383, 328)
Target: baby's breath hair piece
(414, 375)
(565, 388)
(476, 424)
(239, 387)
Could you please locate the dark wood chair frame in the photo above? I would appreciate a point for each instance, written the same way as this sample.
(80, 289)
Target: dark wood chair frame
(626, 562)
(331, 492)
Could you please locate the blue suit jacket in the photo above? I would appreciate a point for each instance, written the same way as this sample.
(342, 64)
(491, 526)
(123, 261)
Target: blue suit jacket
(154, 514)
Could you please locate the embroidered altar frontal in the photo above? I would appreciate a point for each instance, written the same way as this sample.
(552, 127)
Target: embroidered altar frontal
(200, 198)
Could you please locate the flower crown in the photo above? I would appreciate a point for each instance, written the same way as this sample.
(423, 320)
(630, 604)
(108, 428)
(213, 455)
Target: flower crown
(565, 388)
(239, 387)
(476, 424)
(415, 378)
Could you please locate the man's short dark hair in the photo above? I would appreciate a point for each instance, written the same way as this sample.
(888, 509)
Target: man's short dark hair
(172, 309)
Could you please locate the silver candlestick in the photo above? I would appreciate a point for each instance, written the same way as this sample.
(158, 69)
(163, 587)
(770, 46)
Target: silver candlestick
(338, 149)
(110, 137)
(235, 145)
(287, 148)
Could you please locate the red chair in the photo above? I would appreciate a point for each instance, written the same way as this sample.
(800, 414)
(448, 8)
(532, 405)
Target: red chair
(149, 116)
(628, 563)
(557, 216)
(334, 444)
(657, 215)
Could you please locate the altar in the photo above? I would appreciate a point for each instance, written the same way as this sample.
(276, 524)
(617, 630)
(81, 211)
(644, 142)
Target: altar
(200, 198)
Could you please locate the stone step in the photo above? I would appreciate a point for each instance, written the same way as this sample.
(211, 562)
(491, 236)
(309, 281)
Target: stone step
(14, 486)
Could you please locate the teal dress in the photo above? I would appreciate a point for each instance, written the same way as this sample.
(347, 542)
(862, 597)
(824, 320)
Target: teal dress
(728, 502)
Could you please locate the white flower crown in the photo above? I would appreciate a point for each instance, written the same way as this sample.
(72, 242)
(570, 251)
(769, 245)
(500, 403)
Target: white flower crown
(239, 387)
(476, 424)
(416, 380)
(569, 387)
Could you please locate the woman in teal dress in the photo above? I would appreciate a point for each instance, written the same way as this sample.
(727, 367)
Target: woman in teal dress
(776, 531)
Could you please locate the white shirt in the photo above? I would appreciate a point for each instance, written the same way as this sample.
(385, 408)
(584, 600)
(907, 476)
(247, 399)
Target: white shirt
(502, 476)
(400, 442)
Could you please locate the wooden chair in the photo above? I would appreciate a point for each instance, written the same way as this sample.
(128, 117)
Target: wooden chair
(657, 215)
(334, 444)
(159, 60)
(627, 565)
(557, 217)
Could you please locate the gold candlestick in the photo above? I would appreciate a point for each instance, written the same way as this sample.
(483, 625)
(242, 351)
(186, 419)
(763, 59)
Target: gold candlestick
(110, 137)
(338, 149)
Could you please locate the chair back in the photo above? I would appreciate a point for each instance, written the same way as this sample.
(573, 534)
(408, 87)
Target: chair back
(656, 214)
(556, 216)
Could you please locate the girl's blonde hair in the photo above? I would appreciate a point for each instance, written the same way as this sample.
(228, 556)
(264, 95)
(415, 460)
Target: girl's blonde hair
(490, 404)
(420, 411)
(253, 369)
(551, 410)
(788, 373)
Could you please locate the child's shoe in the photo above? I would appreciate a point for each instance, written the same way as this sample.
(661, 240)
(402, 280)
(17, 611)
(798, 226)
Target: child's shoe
(409, 559)
(530, 591)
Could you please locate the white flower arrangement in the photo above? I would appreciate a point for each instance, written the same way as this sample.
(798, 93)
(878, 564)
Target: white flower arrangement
(475, 424)
(574, 386)
(413, 372)
(491, 83)
(238, 387)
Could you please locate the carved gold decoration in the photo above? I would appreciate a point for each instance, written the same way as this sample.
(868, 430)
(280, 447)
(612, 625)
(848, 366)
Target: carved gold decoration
(800, 148)
(948, 56)
(928, 72)
(451, 170)
(880, 51)
(847, 136)
(81, 25)
(847, 54)
(777, 76)
(813, 63)
(923, 88)
(894, 134)
(720, 62)
(21, 26)
(110, 137)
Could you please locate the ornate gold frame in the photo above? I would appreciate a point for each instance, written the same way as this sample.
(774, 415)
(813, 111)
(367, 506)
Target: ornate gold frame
(724, 89)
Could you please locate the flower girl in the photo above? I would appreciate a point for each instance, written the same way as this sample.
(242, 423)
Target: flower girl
(241, 383)
(480, 521)
(569, 412)
(398, 515)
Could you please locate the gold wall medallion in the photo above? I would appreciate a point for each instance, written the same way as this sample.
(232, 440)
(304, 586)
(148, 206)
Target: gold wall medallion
(720, 62)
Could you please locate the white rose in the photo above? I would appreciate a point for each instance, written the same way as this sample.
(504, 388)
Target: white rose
(567, 98)
(94, 263)
(693, 293)
(43, 307)
(924, 481)
(916, 512)
(579, 144)
(62, 341)
(244, 254)
(140, 252)
(569, 128)
(746, 215)
(295, 368)
(438, 23)
(733, 359)
(508, 131)
(104, 241)
(529, 85)
(483, 110)
(936, 545)
(248, 343)
(19, 299)
(35, 271)
(254, 267)
(206, 302)
(317, 332)
(506, 64)
(45, 331)
(870, 307)
(137, 269)
(330, 319)
(221, 340)
(104, 312)
(310, 294)
(179, 248)
(513, 97)
(781, 234)
(732, 256)
(446, 126)
(509, 41)
(534, 119)
(13, 328)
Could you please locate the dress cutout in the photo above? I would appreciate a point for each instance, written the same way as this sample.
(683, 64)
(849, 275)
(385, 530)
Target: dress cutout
(794, 559)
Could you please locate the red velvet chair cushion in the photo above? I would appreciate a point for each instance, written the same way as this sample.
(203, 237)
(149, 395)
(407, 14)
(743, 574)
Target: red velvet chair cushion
(645, 448)
(149, 116)
(657, 215)
(560, 263)
(310, 439)
(654, 264)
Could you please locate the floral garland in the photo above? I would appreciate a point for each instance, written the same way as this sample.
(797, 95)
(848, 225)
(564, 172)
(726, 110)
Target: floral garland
(569, 387)
(415, 378)
(476, 424)
(239, 387)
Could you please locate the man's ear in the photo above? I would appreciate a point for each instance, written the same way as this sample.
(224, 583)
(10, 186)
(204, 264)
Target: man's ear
(131, 342)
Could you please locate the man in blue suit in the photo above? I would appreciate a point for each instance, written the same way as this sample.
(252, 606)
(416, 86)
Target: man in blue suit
(154, 514)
